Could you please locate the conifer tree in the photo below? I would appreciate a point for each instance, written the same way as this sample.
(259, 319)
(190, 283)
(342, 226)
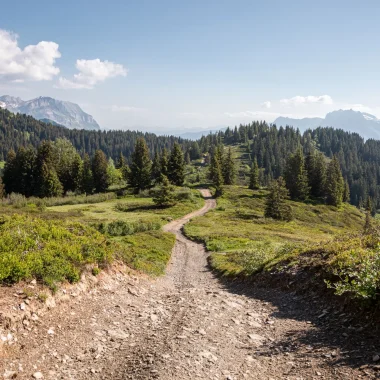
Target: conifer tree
(49, 185)
(10, 173)
(176, 166)
(254, 176)
(121, 162)
(346, 192)
(156, 168)
(141, 167)
(165, 194)
(100, 172)
(229, 169)
(334, 183)
(47, 182)
(164, 162)
(86, 177)
(216, 173)
(275, 205)
(296, 176)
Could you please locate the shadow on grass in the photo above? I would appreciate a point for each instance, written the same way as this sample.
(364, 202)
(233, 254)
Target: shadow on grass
(335, 331)
(134, 208)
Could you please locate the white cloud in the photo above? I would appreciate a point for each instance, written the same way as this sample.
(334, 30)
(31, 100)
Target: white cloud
(92, 72)
(266, 104)
(311, 99)
(34, 62)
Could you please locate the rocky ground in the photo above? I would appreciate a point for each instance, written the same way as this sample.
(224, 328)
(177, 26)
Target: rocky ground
(189, 325)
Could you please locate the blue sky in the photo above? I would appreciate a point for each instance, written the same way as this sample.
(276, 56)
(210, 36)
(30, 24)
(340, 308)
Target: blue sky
(169, 65)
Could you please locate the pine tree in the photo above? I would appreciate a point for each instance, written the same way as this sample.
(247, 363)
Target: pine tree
(217, 176)
(121, 162)
(86, 177)
(141, 167)
(176, 167)
(164, 162)
(334, 183)
(296, 176)
(100, 172)
(346, 192)
(229, 169)
(156, 168)
(275, 205)
(10, 173)
(165, 194)
(49, 185)
(254, 176)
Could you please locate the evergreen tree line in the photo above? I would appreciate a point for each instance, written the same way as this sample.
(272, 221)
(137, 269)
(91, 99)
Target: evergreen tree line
(270, 146)
(55, 168)
(267, 144)
(314, 178)
(18, 130)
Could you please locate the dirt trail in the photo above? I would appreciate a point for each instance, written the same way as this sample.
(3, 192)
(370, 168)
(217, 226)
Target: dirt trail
(184, 325)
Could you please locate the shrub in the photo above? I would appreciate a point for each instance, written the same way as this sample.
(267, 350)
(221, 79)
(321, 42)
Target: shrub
(49, 250)
(121, 228)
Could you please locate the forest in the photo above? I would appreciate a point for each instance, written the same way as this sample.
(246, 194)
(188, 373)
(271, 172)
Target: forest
(268, 144)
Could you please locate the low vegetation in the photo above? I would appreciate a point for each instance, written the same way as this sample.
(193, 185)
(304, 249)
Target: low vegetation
(325, 238)
(48, 250)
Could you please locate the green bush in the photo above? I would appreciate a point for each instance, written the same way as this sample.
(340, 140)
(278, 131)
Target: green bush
(51, 251)
(122, 228)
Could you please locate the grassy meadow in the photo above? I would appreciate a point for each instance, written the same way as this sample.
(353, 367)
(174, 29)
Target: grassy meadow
(243, 241)
(54, 239)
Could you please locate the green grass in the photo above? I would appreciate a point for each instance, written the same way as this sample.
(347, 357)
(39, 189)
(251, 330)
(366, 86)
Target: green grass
(54, 244)
(148, 252)
(243, 241)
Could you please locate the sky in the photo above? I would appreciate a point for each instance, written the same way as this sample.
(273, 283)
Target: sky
(190, 65)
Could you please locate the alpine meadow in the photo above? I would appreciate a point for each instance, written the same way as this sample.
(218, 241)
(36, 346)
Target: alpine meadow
(189, 191)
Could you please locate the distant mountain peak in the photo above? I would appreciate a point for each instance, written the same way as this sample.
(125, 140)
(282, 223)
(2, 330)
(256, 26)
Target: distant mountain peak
(61, 112)
(363, 123)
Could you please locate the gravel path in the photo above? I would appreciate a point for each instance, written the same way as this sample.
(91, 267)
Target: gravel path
(185, 325)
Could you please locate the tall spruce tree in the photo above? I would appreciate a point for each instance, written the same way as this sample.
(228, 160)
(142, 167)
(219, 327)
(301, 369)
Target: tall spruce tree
(296, 176)
(156, 168)
(317, 174)
(10, 175)
(334, 183)
(346, 192)
(229, 169)
(254, 176)
(2, 189)
(164, 162)
(275, 204)
(100, 172)
(176, 167)
(49, 185)
(86, 177)
(141, 167)
(47, 182)
(121, 162)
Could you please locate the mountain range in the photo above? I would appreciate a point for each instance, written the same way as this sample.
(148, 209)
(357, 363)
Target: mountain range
(365, 124)
(47, 109)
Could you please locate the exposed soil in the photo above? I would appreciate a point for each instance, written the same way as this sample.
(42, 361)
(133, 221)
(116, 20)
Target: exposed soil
(188, 324)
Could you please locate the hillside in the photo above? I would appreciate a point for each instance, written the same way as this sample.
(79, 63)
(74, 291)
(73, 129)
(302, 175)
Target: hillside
(63, 113)
(18, 130)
